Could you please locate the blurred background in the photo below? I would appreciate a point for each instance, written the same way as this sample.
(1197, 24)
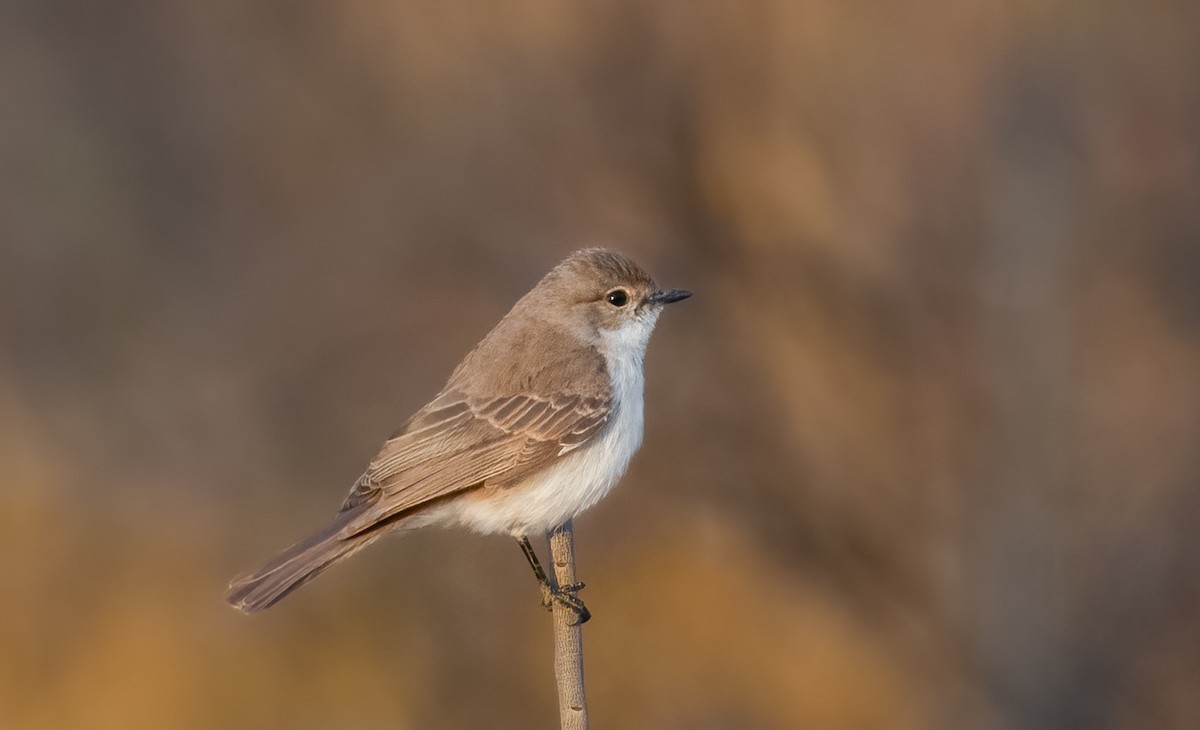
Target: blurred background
(920, 453)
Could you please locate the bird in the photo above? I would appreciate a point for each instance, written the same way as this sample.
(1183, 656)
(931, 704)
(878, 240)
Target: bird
(536, 424)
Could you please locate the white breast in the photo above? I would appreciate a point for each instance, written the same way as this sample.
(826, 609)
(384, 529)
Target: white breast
(581, 477)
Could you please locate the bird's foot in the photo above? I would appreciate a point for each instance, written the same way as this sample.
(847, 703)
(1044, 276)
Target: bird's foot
(567, 596)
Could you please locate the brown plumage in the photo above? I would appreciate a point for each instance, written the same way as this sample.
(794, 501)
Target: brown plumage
(534, 391)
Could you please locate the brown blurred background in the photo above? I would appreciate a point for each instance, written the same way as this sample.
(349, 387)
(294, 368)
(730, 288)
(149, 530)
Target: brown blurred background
(921, 453)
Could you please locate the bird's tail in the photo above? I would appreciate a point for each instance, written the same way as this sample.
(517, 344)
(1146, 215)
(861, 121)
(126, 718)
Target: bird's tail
(296, 566)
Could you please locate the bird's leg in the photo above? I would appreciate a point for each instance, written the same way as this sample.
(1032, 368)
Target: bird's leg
(534, 563)
(567, 595)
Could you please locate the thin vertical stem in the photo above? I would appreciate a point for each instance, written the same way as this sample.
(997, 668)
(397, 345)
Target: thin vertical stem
(568, 635)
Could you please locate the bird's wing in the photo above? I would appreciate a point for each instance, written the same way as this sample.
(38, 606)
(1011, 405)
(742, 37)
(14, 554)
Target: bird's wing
(458, 442)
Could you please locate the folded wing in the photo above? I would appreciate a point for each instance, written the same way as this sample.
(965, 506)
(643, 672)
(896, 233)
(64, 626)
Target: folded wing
(458, 443)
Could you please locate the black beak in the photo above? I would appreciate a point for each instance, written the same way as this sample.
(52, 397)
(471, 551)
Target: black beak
(666, 296)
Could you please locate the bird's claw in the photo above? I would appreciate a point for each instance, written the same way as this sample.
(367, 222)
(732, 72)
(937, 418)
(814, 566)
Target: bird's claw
(567, 596)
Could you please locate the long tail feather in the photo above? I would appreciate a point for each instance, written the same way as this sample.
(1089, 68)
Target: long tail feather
(295, 566)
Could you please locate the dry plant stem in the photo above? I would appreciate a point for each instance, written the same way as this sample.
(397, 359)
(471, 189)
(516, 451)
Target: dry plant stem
(568, 635)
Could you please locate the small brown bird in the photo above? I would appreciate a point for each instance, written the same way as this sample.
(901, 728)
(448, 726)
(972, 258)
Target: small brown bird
(535, 425)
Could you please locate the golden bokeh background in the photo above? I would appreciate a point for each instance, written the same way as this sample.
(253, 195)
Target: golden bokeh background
(922, 452)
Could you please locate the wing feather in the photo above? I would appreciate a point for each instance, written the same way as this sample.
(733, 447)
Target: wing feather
(458, 442)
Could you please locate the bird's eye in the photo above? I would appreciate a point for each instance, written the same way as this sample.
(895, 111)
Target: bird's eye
(617, 297)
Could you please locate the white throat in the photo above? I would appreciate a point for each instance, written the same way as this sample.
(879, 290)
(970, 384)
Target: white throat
(624, 350)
